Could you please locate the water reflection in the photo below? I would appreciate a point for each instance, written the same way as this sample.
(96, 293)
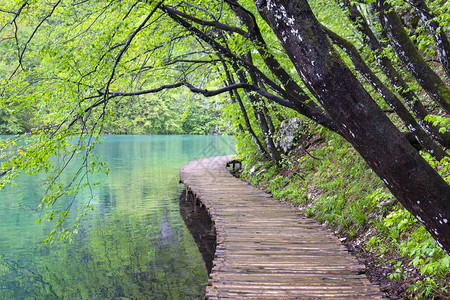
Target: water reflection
(133, 245)
(200, 226)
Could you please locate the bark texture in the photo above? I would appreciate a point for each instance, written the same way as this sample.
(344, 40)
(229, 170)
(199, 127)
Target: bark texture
(410, 57)
(396, 79)
(391, 99)
(439, 36)
(407, 175)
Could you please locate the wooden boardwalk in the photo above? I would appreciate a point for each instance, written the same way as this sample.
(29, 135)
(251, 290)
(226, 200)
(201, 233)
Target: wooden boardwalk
(266, 249)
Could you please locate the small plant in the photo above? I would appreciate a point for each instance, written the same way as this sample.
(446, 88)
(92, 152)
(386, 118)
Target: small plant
(441, 121)
(399, 274)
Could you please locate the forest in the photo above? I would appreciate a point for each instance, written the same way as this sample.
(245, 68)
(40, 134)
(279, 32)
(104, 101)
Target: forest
(341, 107)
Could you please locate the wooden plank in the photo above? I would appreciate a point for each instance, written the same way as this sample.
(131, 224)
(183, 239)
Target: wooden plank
(268, 250)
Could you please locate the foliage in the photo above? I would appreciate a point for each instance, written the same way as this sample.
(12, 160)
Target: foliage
(153, 114)
(73, 71)
(56, 59)
(441, 121)
(10, 123)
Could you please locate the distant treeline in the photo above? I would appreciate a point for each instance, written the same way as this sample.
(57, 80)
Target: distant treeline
(151, 114)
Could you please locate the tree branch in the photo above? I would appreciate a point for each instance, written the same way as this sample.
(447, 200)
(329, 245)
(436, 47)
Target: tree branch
(215, 24)
(130, 39)
(204, 92)
(303, 105)
(21, 53)
(199, 8)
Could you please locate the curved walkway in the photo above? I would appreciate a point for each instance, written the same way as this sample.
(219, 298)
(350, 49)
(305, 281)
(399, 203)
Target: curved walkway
(266, 249)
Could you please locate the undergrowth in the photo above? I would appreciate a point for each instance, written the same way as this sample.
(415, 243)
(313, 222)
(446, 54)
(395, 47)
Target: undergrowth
(333, 184)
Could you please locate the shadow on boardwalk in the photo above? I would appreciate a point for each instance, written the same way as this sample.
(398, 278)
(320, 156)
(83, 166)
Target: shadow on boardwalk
(266, 249)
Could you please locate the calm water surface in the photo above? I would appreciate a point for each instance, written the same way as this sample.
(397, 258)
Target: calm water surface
(133, 245)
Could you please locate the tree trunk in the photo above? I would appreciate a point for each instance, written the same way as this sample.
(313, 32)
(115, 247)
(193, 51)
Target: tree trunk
(256, 102)
(419, 111)
(410, 57)
(268, 117)
(439, 36)
(261, 104)
(299, 97)
(391, 99)
(236, 97)
(306, 108)
(265, 128)
(407, 175)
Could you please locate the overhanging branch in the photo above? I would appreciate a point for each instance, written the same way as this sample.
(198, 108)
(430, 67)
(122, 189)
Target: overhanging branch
(216, 24)
(204, 92)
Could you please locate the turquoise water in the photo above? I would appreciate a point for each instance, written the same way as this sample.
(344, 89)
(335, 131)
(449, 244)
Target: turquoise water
(134, 244)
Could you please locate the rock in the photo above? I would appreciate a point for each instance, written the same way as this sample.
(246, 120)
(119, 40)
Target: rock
(287, 134)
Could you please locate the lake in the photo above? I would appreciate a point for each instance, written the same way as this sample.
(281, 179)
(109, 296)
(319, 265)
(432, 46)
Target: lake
(134, 245)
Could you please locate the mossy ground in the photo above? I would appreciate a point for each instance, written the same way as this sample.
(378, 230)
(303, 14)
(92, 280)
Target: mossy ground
(326, 179)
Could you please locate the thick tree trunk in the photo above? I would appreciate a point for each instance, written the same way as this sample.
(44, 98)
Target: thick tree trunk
(410, 57)
(439, 36)
(391, 99)
(407, 175)
(419, 111)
